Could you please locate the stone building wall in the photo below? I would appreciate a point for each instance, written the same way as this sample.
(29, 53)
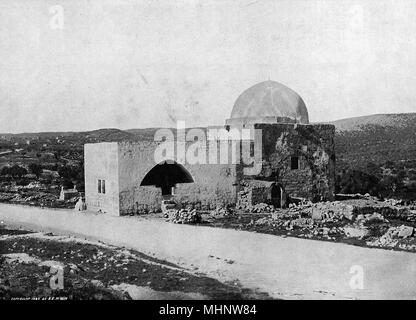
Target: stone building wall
(214, 184)
(125, 164)
(252, 194)
(135, 160)
(101, 163)
(313, 145)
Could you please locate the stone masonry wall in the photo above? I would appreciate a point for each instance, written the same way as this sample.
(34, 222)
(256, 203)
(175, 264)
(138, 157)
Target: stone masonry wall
(314, 145)
(125, 164)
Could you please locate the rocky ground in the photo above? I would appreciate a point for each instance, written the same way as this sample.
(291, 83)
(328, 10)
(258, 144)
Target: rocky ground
(34, 193)
(91, 270)
(35, 198)
(364, 222)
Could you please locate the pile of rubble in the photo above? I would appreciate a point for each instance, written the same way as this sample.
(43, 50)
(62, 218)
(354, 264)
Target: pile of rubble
(266, 221)
(321, 219)
(243, 199)
(368, 219)
(261, 208)
(358, 232)
(326, 232)
(365, 219)
(300, 205)
(168, 205)
(326, 211)
(4, 197)
(394, 202)
(299, 223)
(223, 212)
(411, 216)
(182, 216)
(308, 226)
(393, 237)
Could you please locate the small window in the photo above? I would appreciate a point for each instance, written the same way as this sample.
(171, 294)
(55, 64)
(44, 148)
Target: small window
(101, 186)
(251, 148)
(294, 163)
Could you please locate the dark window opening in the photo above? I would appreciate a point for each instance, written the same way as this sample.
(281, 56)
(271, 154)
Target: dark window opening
(252, 149)
(294, 163)
(276, 195)
(101, 186)
(166, 190)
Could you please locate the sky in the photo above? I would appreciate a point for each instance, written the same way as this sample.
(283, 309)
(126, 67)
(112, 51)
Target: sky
(88, 64)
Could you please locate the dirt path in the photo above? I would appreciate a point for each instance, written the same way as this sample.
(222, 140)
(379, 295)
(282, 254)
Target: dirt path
(282, 267)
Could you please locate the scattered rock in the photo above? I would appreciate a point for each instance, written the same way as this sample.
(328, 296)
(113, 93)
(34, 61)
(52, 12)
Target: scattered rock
(405, 231)
(223, 212)
(97, 283)
(355, 232)
(182, 216)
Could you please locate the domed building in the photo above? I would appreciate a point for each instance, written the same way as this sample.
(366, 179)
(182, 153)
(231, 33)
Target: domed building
(269, 102)
(283, 159)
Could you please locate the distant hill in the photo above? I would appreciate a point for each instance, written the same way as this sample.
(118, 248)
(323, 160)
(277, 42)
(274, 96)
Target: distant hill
(143, 134)
(108, 135)
(99, 135)
(393, 120)
(374, 154)
(377, 138)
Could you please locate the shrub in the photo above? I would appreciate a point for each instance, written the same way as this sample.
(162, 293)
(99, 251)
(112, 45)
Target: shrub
(15, 171)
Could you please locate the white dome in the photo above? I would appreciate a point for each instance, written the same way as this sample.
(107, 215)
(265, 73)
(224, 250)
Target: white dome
(270, 99)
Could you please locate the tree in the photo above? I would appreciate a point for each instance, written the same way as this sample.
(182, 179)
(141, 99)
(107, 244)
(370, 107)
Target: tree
(391, 184)
(72, 175)
(15, 171)
(356, 181)
(36, 169)
(373, 169)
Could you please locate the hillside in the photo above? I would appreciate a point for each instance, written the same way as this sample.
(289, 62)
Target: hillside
(377, 151)
(393, 120)
(375, 154)
(99, 135)
(376, 138)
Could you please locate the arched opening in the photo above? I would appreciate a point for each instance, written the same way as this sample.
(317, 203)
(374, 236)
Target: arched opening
(277, 195)
(166, 175)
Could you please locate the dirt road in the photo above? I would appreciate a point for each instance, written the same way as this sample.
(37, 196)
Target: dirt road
(283, 267)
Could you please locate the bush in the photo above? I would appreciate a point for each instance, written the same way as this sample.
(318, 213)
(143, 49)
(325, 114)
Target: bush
(356, 181)
(71, 175)
(377, 181)
(36, 169)
(15, 171)
(22, 182)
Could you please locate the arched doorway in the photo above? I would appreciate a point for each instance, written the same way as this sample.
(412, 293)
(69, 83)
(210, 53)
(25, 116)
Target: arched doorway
(166, 175)
(277, 195)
